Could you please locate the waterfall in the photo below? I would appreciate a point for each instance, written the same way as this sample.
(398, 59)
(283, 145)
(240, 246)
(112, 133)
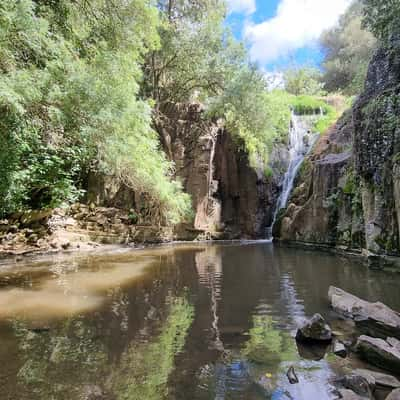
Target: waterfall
(301, 141)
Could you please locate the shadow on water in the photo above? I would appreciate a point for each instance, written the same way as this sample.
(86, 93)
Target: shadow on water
(177, 323)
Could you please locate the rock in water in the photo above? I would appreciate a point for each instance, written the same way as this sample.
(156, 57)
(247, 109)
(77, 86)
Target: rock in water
(378, 379)
(376, 318)
(339, 349)
(314, 330)
(358, 384)
(384, 354)
(346, 394)
(291, 374)
(395, 395)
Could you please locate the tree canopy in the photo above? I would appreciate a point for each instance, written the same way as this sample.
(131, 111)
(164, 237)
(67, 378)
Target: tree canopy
(348, 51)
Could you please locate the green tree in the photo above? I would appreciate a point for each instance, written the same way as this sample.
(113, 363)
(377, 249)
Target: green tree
(69, 100)
(299, 81)
(348, 51)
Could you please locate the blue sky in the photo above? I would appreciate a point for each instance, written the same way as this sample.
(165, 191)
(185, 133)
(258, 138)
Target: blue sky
(284, 33)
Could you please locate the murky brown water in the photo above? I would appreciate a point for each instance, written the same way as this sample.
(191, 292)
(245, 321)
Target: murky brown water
(192, 322)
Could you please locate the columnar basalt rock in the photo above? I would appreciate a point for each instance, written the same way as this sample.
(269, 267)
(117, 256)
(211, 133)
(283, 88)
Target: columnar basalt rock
(347, 194)
(230, 198)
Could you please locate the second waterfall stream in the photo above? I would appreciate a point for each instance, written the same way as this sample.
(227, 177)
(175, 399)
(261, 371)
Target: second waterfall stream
(301, 141)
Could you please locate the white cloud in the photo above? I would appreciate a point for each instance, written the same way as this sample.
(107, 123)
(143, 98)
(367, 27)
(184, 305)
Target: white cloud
(242, 6)
(297, 24)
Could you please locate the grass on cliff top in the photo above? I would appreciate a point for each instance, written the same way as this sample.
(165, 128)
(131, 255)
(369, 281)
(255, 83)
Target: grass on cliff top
(330, 108)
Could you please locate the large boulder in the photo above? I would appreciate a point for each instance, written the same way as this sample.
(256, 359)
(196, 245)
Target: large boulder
(314, 330)
(376, 319)
(384, 354)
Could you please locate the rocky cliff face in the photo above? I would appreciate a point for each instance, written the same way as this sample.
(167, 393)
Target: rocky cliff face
(348, 191)
(230, 198)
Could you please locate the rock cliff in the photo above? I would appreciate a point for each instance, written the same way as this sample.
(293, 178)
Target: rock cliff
(347, 194)
(230, 199)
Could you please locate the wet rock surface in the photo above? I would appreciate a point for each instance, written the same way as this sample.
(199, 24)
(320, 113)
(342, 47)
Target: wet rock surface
(347, 394)
(376, 319)
(357, 384)
(394, 395)
(383, 354)
(347, 194)
(376, 379)
(314, 330)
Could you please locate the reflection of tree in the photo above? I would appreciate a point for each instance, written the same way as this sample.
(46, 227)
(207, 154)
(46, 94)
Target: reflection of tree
(63, 362)
(57, 367)
(268, 345)
(144, 368)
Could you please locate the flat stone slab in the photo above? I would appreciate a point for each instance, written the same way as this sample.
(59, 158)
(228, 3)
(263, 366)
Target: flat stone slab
(395, 395)
(384, 354)
(347, 394)
(376, 319)
(375, 378)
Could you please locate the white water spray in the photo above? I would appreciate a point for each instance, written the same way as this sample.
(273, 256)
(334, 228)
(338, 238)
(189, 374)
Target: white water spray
(301, 141)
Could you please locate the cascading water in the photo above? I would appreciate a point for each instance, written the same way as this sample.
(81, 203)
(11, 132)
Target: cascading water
(301, 141)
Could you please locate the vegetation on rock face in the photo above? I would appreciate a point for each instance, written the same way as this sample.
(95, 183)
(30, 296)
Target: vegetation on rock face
(382, 17)
(81, 81)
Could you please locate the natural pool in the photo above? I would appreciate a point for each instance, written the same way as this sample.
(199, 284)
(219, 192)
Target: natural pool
(185, 322)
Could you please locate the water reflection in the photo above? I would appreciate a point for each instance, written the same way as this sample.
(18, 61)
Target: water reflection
(195, 322)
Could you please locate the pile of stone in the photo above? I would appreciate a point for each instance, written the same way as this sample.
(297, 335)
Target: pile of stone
(379, 345)
(80, 226)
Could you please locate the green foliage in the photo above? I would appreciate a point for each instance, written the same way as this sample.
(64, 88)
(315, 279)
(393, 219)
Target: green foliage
(267, 345)
(197, 54)
(382, 17)
(69, 100)
(326, 115)
(144, 368)
(259, 118)
(303, 81)
(308, 105)
(348, 51)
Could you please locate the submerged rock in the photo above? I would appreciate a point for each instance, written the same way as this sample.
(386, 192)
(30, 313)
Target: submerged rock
(347, 394)
(384, 354)
(314, 330)
(376, 319)
(291, 374)
(313, 351)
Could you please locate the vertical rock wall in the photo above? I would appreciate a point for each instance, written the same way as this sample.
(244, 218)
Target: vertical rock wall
(231, 199)
(347, 194)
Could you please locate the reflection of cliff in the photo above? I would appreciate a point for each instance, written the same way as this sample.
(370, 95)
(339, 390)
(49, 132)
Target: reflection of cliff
(209, 268)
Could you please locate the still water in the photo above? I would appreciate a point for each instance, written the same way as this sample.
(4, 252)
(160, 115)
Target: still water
(189, 322)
